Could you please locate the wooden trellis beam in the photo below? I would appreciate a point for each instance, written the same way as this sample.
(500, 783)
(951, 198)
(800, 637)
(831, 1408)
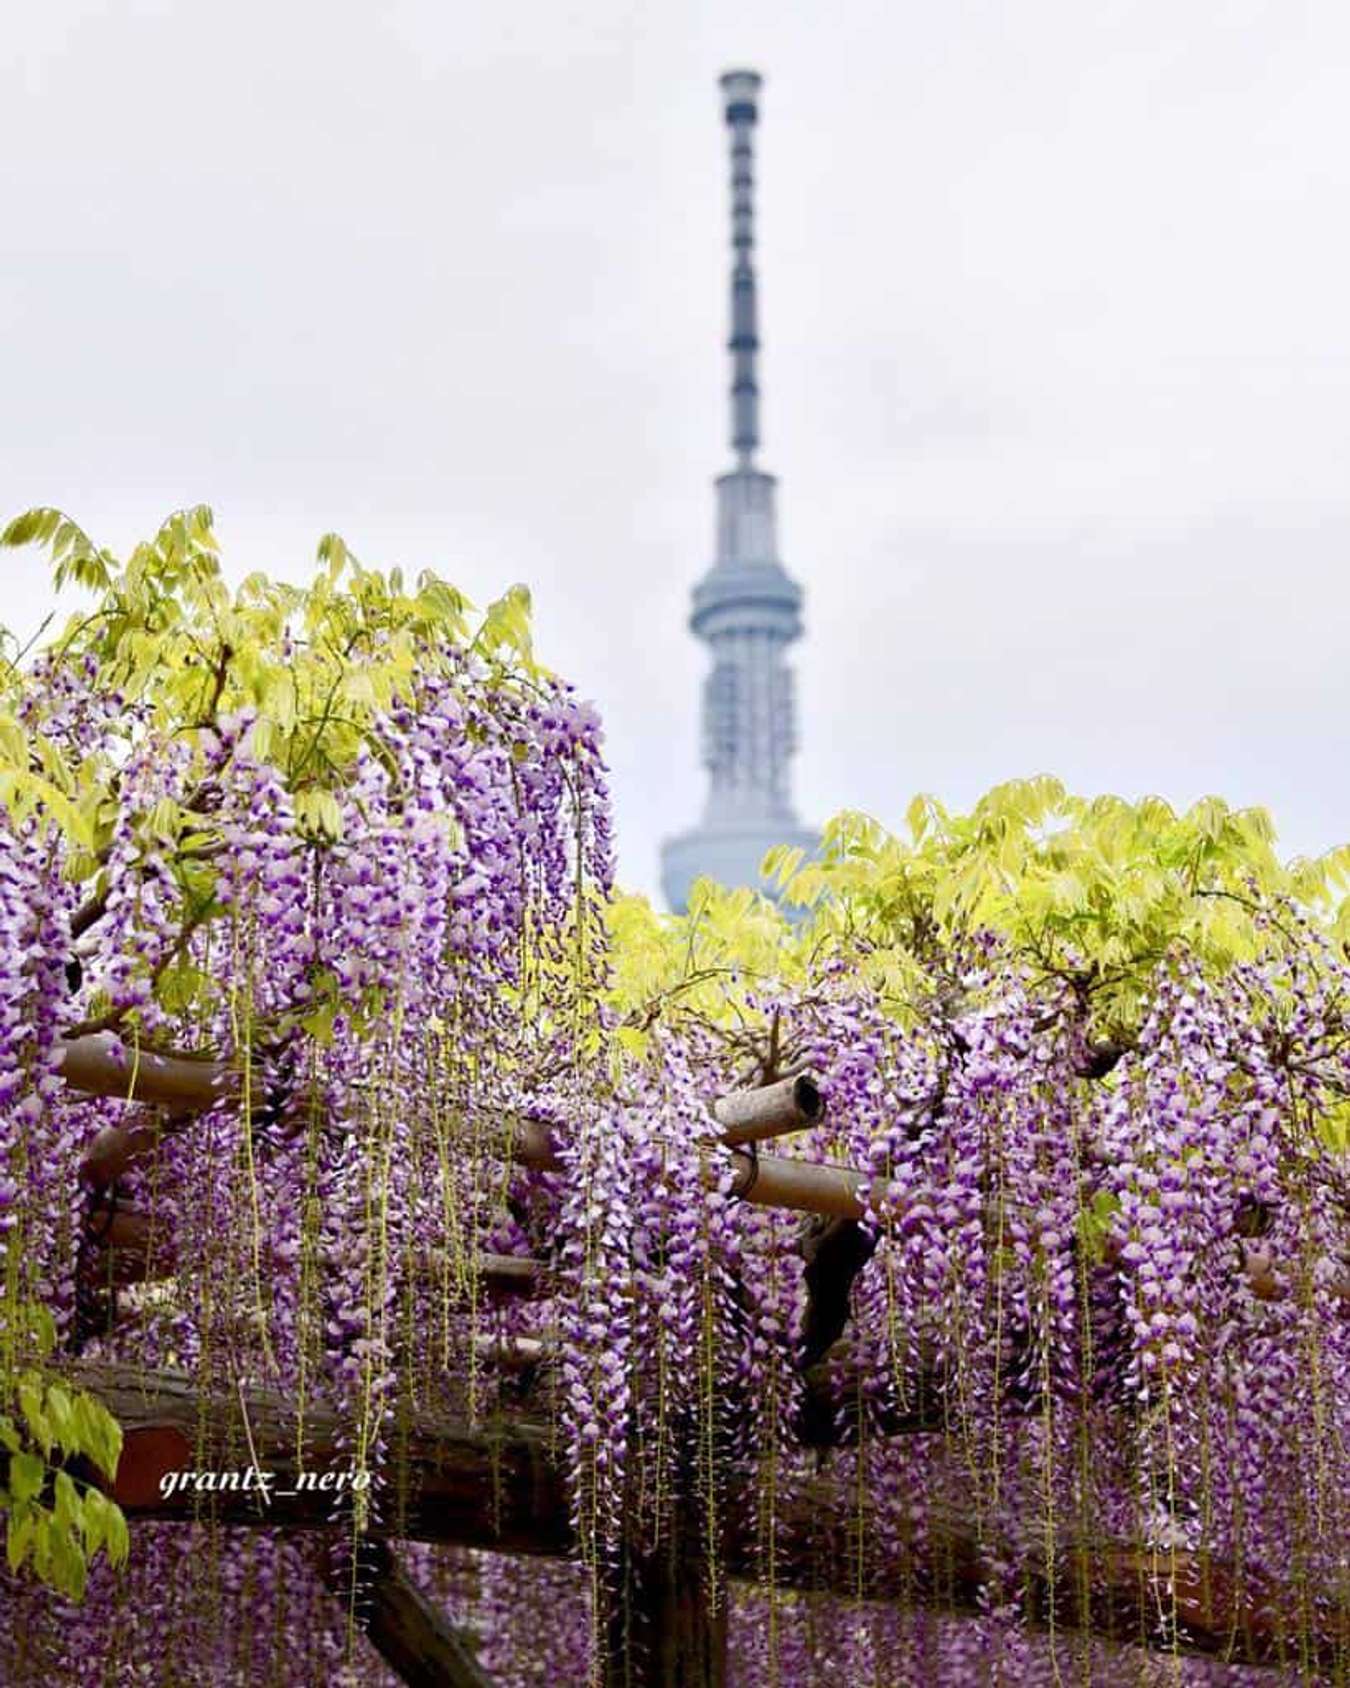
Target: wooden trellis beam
(499, 1489)
(169, 1426)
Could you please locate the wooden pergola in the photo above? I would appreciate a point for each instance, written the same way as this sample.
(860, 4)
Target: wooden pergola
(500, 1489)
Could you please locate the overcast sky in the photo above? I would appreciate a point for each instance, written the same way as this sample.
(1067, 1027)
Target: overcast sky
(1056, 308)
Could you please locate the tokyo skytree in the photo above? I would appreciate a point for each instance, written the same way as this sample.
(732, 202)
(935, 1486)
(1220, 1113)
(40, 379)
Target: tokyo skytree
(746, 608)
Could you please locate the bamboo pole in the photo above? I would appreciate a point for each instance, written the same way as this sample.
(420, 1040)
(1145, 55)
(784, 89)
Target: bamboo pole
(802, 1186)
(102, 1065)
(141, 1247)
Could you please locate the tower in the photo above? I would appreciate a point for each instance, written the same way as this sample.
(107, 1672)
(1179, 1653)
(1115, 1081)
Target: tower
(746, 609)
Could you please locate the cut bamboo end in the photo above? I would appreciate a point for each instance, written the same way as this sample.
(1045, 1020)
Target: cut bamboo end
(772, 1110)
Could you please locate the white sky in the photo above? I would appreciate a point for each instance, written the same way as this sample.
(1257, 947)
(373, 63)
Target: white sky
(1056, 300)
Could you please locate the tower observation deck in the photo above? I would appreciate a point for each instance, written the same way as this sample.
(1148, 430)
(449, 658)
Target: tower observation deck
(746, 608)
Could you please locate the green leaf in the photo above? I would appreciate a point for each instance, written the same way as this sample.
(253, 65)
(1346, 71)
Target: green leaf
(115, 1531)
(507, 624)
(19, 1537)
(59, 1415)
(13, 742)
(67, 1509)
(634, 1041)
(68, 1568)
(42, 1545)
(319, 1023)
(30, 1404)
(1334, 1128)
(318, 812)
(163, 820)
(33, 526)
(96, 1432)
(1094, 1224)
(180, 986)
(25, 794)
(94, 1521)
(42, 1327)
(334, 555)
(107, 1450)
(26, 1473)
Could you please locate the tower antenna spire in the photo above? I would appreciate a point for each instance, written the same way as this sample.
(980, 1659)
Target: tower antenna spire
(740, 105)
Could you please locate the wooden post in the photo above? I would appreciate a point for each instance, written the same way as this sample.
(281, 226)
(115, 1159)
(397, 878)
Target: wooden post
(409, 1631)
(660, 1631)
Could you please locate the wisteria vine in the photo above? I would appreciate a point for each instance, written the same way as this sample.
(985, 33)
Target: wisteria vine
(1073, 1406)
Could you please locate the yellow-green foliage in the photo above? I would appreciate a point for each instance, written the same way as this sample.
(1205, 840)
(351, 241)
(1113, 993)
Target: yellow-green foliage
(53, 1518)
(1093, 891)
(315, 663)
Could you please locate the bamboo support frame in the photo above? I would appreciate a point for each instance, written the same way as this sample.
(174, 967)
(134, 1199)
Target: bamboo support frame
(183, 1084)
(99, 1066)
